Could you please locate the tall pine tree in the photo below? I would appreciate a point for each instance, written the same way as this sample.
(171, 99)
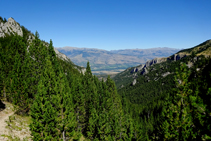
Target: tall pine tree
(43, 111)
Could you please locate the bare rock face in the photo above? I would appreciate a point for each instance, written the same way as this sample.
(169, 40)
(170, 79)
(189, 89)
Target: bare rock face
(61, 55)
(179, 56)
(134, 82)
(83, 70)
(175, 57)
(165, 74)
(154, 61)
(138, 68)
(10, 27)
(189, 65)
(134, 70)
(144, 71)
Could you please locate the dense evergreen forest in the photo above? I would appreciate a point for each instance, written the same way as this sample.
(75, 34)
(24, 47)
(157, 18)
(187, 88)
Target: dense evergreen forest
(65, 104)
(175, 106)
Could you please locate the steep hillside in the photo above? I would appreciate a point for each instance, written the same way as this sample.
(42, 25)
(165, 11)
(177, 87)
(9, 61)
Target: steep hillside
(151, 90)
(166, 99)
(10, 28)
(60, 102)
(131, 74)
(115, 60)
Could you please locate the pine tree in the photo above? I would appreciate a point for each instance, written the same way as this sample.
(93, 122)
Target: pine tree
(37, 113)
(66, 118)
(115, 111)
(44, 109)
(2, 73)
(181, 115)
(88, 91)
(78, 103)
(38, 53)
(54, 58)
(15, 45)
(93, 113)
(19, 76)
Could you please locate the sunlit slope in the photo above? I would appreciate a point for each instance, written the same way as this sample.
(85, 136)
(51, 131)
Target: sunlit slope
(157, 75)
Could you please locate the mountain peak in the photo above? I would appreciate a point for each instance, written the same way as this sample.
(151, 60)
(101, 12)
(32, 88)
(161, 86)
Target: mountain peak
(10, 27)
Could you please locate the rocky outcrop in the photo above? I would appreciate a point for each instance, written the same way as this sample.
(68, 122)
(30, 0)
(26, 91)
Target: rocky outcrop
(189, 65)
(140, 67)
(135, 75)
(165, 74)
(134, 82)
(154, 61)
(179, 56)
(136, 69)
(10, 27)
(61, 55)
(82, 70)
(149, 63)
(144, 71)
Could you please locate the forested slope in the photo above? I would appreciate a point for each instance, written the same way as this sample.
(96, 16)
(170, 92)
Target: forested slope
(65, 104)
(181, 82)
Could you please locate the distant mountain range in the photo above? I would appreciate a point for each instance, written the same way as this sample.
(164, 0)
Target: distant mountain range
(103, 61)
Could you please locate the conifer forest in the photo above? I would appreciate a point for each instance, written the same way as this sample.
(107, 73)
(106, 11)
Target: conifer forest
(66, 104)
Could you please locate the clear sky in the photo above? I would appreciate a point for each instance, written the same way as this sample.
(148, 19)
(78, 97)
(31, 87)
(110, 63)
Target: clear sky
(114, 24)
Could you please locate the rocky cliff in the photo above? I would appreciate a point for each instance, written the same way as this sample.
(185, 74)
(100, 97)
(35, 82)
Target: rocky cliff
(144, 68)
(10, 27)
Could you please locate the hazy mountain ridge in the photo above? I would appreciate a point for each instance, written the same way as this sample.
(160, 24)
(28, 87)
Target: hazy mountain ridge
(115, 59)
(159, 51)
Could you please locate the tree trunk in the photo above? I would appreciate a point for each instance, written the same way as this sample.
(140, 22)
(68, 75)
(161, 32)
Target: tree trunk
(120, 135)
(78, 118)
(63, 134)
(148, 114)
(4, 91)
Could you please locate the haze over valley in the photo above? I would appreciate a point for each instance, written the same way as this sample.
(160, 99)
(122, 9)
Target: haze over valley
(114, 61)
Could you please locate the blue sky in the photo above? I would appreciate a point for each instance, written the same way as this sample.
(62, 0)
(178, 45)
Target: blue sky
(114, 24)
